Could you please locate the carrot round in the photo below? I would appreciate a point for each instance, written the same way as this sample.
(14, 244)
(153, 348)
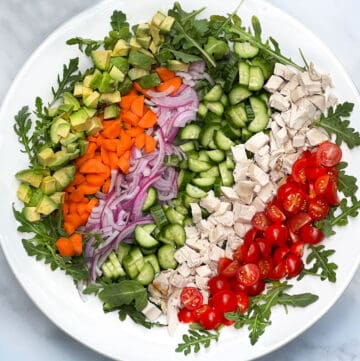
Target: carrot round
(148, 120)
(93, 166)
(150, 144)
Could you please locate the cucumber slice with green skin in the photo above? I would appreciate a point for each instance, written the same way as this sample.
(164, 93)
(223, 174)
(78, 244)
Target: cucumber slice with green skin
(226, 175)
(244, 73)
(261, 119)
(187, 147)
(166, 257)
(203, 156)
(212, 172)
(174, 217)
(238, 117)
(133, 262)
(204, 182)
(266, 67)
(150, 200)
(231, 132)
(256, 78)
(191, 131)
(144, 239)
(194, 191)
(216, 155)
(245, 135)
(224, 100)
(202, 110)
(212, 119)
(159, 216)
(175, 233)
(215, 107)
(182, 210)
(207, 134)
(151, 258)
(238, 94)
(146, 274)
(184, 178)
(230, 163)
(119, 271)
(123, 251)
(198, 165)
(214, 94)
(222, 141)
(149, 228)
(148, 251)
(188, 221)
(188, 199)
(245, 50)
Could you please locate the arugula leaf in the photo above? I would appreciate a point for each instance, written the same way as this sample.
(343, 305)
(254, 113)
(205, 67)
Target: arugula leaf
(22, 128)
(85, 45)
(124, 293)
(335, 125)
(137, 316)
(299, 300)
(195, 339)
(120, 30)
(347, 183)
(92, 288)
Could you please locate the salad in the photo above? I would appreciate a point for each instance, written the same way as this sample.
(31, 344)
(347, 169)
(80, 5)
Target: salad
(191, 172)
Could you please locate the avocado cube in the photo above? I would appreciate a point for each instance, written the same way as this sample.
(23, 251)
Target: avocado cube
(149, 81)
(31, 214)
(58, 197)
(120, 62)
(24, 192)
(46, 205)
(46, 156)
(96, 79)
(136, 73)
(144, 41)
(36, 195)
(95, 126)
(30, 176)
(64, 110)
(90, 111)
(83, 145)
(63, 177)
(176, 65)
(92, 100)
(74, 154)
(155, 34)
(63, 130)
(107, 84)
(101, 58)
(153, 48)
(61, 158)
(87, 80)
(78, 90)
(71, 147)
(79, 120)
(60, 128)
(126, 86)
(71, 100)
(86, 92)
(48, 185)
(71, 138)
(142, 30)
(121, 48)
(134, 44)
(111, 111)
(140, 60)
(158, 18)
(117, 74)
(110, 98)
(166, 25)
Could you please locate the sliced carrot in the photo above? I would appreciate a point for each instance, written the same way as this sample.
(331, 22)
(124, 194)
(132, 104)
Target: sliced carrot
(148, 120)
(77, 195)
(92, 203)
(65, 247)
(69, 227)
(125, 141)
(150, 144)
(123, 163)
(175, 83)
(79, 178)
(104, 156)
(93, 166)
(137, 106)
(134, 132)
(76, 241)
(65, 208)
(72, 207)
(164, 73)
(70, 188)
(95, 179)
(112, 130)
(110, 144)
(82, 208)
(127, 100)
(106, 186)
(130, 117)
(140, 141)
(113, 160)
(88, 189)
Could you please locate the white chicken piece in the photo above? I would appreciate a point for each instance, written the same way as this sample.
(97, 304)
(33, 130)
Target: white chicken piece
(273, 84)
(178, 281)
(290, 86)
(226, 219)
(229, 193)
(210, 202)
(241, 229)
(204, 271)
(196, 212)
(281, 137)
(216, 252)
(315, 136)
(256, 142)
(319, 101)
(184, 270)
(245, 190)
(201, 282)
(243, 213)
(239, 153)
(299, 140)
(151, 312)
(217, 234)
(224, 206)
(258, 175)
(285, 71)
(298, 93)
(263, 161)
(258, 204)
(173, 307)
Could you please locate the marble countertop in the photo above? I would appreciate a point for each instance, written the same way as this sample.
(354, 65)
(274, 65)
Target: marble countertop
(25, 333)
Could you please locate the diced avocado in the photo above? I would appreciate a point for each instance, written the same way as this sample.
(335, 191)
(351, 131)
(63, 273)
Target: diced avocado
(46, 205)
(83, 145)
(107, 84)
(144, 41)
(31, 214)
(79, 120)
(64, 110)
(110, 98)
(117, 74)
(125, 87)
(87, 80)
(142, 30)
(120, 62)
(58, 130)
(63, 130)
(121, 48)
(74, 154)
(153, 48)
(71, 138)
(111, 111)
(64, 177)
(81, 134)
(134, 44)
(94, 127)
(95, 79)
(35, 197)
(158, 18)
(30, 176)
(176, 65)
(166, 25)
(149, 81)
(86, 91)
(58, 197)
(140, 60)
(92, 100)
(155, 34)
(90, 111)
(101, 58)
(78, 90)
(71, 100)
(52, 112)
(136, 73)
(45, 156)
(48, 185)
(24, 192)
(60, 158)
(71, 147)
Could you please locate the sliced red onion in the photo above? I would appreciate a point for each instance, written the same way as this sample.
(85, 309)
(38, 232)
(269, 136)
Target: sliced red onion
(154, 94)
(184, 98)
(184, 118)
(197, 66)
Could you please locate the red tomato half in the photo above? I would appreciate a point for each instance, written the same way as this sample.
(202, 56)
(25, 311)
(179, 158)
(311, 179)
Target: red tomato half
(331, 194)
(278, 272)
(264, 246)
(297, 248)
(248, 274)
(243, 301)
(231, 269)
(265, 267)
(225, 301)
(321, 184)
(256, 288)
(191, 298)
(186, 316)
(312, 173)
(223, 262)
(318, 209)
(298, 221)
(250, 235)
(328, 154)
(311, 235)
(260, 221)
(274, 213)
(294, 201)
(218, 283)
(277, 234)
(210, 319)
(279, 254)
(298, 170)
(294, 265)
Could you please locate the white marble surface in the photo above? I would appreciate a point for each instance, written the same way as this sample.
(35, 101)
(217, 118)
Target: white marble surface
(25, 333)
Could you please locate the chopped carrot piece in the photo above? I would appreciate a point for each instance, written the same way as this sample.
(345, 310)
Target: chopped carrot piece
(92, 203)
(140, 141)
(127, 100)
(82, 208)
(69, 227)
(106, 186)
(79, 178)
(95, 179)
(93, 166)
(174, 82)
(88, 189)
(148, 120)
(134, 132)
(72, 207)
(77, 195)
(110, 144)
(137, 106)
(104, 156)
(130, 117)
(112, 130)
(65, 208)
(150, 144)
(125, 141)
(76, 240)
(164, 73)
(65, 247)
(113, 160)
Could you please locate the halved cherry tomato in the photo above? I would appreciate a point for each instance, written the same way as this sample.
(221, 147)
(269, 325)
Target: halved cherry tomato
(236, 286)
(231, 269)
(218, 283)
(334, 175)
(274, 213)
(227, 322)
(277, 234)
(250, 235)
(256, 288)
(328, 154)
(260, 221)
(298, 221)
(243, 301)
(298, 170)
(311, 191)
(199, 311)
(312, 173)
(311, 235)
(253, 253)
(297, 248)
(278, 272)
(280, 254)
(285, 189)
(294, 237)
(321, 184)
(248, 274)
(318, 209)
(191, 298)
(225, 301)
(294, 201)
(294, 265)
(331, 194)
(265, 247)
(265, 267)
(241, 252)
(223, 262)
(210, 319)
(186, 316)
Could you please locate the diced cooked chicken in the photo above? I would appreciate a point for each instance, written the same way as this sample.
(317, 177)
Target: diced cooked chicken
(229, 193)
(210, 202)
(243, 213)
(196, 212)
(264, 150)
(216, 252)
(151, 312)
(312, 87)
(184, 270)
(263, 161)
(316, 136)
(179, 281)
(217, 234)
(281, 137)
(196, 244)
(256, 142)
(331, 101)
(204, 271)
(204, 226)
(240, 172)
(239, 153)
(234, 241)
(224, 206)
(201, 282)
(298, 93)
(326, 81)
(241, 228)
(258, 204)
(273, 84)
(279, 102)
(245, 191)
(173, 306)
(226, 219)
(291, 85)
(161, 283)
(314, 75)
(284, 71)
(188, 255)
(298, 140)
(267, 192)
(258, 175)
(319, 101)
(191, 232)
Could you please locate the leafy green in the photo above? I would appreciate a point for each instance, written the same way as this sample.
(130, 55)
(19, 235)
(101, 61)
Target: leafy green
(85, 45)
(92, 289)
(22, 128)
(137, 316)
(120, 30)
(335, 125)
(124, 293)
(195, 339)
(347, 183)
(299, 300)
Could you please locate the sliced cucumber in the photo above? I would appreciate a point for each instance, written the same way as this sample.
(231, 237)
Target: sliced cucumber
(256, 78)
(222, 141)
(159, 216)
(215, 107)
(244, 73)
(261, 119)
(146, 274)
(175, 233)
(203, 156)
(174, 217)
(151, 258)
(144, 239)
(226, 175)
(207, 134)
(191, 131)
(194, 191)
(231, 132)
(216, 155)
(214, 94)
(204, 182)
(245, 50)
(166, 257)
(238, 94)
(202, 110)
(149, 228)
(237, 115)
(150, 200)
(212, 172)
(198, 165)
(123, 251)
(187, 147)
(184, 178)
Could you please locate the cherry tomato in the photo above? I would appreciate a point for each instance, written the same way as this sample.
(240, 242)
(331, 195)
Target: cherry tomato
(225, 301)
(321, 184)
(312, 173)
(311, 190)
(241, 252)
(191, 298)
(279, 254)
(264, 246)
(294, 265)
(334, 175)
(298, 221)
(250, 235)
(278, 272)
(297, 248)
(294, 201)
(204, 308)
(186, 316)
(243, 301)
(294, 237)
(248, 274)
(210, 319)
(277, 234)
(298, 170)
(265, 267)
(331, 194)
(231, 269)
(235, 286)
(218, 283)
(318, 209)
(223, 262)
(260, 221)
(311, 235)
(328, 154)
(274, 213)
(256, 288)
(285, 189)
(253, 253)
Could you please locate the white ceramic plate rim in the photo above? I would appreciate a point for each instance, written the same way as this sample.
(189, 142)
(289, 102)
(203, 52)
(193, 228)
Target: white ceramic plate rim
(43, 305)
